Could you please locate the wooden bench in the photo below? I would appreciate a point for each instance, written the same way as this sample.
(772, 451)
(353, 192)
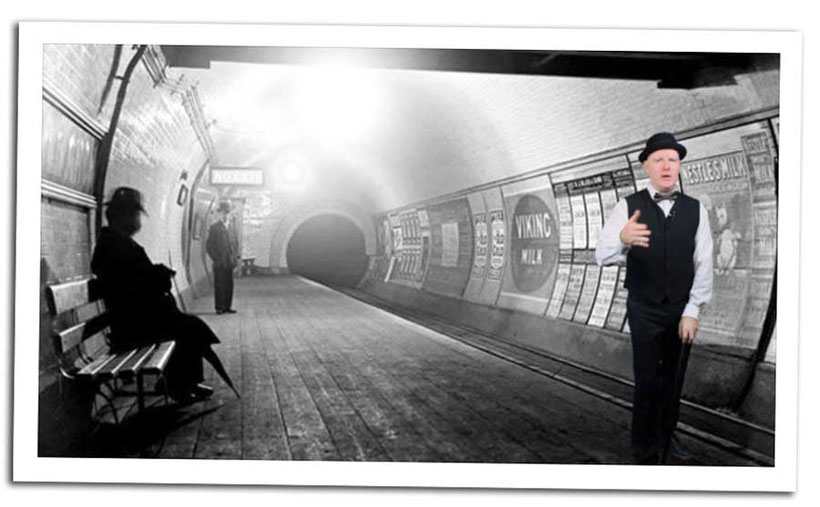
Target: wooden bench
(80, 335)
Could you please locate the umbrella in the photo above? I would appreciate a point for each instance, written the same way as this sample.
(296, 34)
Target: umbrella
(210, 356)
(683, 360)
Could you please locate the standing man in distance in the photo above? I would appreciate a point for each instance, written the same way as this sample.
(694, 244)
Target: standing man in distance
(665, 238)
(222, 248)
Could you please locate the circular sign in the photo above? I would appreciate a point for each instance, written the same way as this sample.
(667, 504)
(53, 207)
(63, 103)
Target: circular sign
(534, 243)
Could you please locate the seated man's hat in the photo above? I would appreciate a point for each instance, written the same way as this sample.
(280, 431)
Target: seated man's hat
(126, 199)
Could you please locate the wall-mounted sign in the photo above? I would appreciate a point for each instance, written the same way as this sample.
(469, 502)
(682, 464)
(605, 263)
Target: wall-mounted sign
(237, 176)
(534, 243)
(498, 228)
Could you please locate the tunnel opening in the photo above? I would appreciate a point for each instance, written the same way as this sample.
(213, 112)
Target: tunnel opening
(329, 249)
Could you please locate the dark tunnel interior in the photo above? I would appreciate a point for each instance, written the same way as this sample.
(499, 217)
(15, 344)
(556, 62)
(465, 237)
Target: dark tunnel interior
(329, 249)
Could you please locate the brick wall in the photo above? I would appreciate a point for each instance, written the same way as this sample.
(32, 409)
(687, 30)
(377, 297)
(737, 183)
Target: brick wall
(153, 145)
(451, 131)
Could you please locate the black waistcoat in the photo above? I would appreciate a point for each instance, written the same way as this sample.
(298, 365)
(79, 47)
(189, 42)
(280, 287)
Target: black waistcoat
(666, 269)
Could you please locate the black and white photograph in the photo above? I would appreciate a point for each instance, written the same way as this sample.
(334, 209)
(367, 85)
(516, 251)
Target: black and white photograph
(407, 256)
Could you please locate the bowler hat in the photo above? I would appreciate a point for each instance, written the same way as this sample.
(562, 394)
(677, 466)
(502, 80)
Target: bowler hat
(662, 141)
(224, 206)
(126, 198)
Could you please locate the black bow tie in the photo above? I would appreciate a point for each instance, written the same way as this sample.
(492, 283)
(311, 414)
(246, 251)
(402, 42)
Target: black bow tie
(660, 197)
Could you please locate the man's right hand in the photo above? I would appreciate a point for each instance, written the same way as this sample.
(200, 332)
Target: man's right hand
(634, 233)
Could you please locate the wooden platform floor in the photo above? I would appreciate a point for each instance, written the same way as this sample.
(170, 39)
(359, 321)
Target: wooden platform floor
(324, 376)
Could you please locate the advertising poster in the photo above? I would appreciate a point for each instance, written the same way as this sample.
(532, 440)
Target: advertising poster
(481, 240)
(561, 283)
(617, 310)
(408, 248)
(567, 235)
(760, 160)
(588, 293)
(579, 221)
(499, 233)
(722, 185)
(573, 294)
(609, 197)
(451, 247)
(734, 177)
(532, 242)
(423, 254)
(585, 193)
(594, 217)
(449, 239)
(765, 242)
(624, 182)
(603, 300)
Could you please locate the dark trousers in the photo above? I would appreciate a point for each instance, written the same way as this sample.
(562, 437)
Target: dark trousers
(223, 288)
(656, 349)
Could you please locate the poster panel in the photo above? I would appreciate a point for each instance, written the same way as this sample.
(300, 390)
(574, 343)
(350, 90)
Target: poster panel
(588, 293)
(624, 183)
(499, 241)
(478, 271)
(617, 310)
(560, 289)
(609, 197)
(532, 237)
(567, 235)
(573, 294)
(408, 248)
(481, 239)
(732, 173)
(594, 217)
(451, 247)
(489, 243)
(603, 300)
(449, 242)
(579, 221)
(596, 186)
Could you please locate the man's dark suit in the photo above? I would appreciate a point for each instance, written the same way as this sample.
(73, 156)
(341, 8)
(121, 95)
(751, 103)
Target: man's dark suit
(143, 311)
(222, 249)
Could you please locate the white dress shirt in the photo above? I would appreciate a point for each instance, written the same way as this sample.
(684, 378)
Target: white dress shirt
(610, 250)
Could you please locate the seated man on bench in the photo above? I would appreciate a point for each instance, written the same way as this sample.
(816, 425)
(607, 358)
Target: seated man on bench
(142, 308)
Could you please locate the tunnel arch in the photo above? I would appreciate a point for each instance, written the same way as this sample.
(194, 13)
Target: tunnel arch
(288, 227)
(328, 248)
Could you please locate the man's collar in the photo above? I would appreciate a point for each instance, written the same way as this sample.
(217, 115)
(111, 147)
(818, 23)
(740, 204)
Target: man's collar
(652, 190)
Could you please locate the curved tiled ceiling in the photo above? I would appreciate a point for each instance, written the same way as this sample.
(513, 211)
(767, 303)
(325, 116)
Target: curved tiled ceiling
(387, 137)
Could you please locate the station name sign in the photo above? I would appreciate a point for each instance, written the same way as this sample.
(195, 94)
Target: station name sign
(251, 176)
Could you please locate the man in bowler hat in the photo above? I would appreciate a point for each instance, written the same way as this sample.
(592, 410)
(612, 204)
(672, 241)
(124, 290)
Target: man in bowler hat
(142, 309)
(222, 249)
(665, 239)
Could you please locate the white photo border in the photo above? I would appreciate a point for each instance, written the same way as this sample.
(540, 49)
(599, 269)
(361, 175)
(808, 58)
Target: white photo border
(28, 467)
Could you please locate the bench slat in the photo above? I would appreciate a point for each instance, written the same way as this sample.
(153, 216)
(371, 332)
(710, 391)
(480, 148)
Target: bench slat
(91, 369)
(113, 366)
(76, 335)
(159, 358)
(130, 368)
(65, 296)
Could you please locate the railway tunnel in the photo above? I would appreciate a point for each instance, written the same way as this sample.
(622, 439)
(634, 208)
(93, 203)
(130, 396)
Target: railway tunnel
(416, 231)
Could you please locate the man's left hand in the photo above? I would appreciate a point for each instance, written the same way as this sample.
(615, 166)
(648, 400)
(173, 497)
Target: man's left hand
(687, 329)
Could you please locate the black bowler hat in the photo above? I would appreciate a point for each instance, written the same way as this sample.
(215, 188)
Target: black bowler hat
(662, 141)
(224, 206)
(126, 199)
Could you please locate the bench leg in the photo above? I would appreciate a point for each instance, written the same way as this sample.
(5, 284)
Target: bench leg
(140, 393)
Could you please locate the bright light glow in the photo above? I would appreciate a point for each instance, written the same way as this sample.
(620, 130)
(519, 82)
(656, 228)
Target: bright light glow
(292, 173)
(338, 105)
